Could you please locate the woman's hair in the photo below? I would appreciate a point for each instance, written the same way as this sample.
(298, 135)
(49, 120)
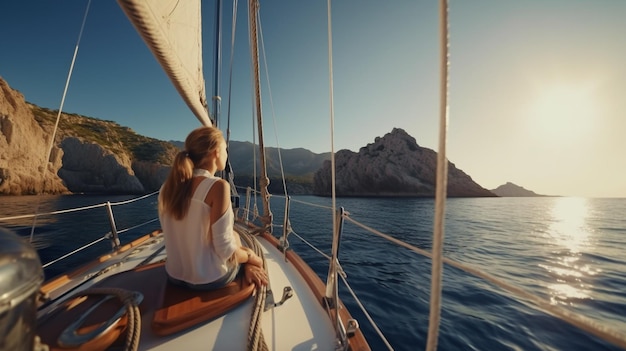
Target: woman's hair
(177, 190)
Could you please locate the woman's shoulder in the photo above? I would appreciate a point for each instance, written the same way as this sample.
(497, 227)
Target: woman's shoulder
(211, 182)
(221, 185)
(220, 190)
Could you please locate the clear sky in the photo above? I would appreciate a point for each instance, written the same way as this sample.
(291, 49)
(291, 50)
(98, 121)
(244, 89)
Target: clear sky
(536, 86)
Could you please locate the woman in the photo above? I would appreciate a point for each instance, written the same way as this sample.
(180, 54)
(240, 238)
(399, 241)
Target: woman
(203, 251)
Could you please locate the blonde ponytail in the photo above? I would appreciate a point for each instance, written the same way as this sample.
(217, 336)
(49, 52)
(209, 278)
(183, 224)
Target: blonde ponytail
(176, 192)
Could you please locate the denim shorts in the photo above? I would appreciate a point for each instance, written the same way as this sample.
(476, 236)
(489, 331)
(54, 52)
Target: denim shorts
(219, 283)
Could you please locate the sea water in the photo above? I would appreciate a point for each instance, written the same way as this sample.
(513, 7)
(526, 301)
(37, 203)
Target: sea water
(568, 251)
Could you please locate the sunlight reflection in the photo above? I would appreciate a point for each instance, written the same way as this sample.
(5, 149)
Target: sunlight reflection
(569, 223)
(570, 237)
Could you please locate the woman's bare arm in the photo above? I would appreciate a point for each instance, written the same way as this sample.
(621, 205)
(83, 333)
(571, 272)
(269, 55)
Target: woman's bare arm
(218, 199)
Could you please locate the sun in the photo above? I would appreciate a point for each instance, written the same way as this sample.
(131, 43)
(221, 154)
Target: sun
(563, 112)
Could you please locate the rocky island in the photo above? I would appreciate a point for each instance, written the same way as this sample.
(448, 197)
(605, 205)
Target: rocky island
(513, 190)
(393, 165)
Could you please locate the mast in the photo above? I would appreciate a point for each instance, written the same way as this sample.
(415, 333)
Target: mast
(253, 10)
(217, 74)
(217, 64)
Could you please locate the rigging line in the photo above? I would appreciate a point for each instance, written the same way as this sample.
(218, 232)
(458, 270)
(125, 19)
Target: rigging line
(311, 204)
(67, 82)
(254, 50)
(231, 64)
(332, 115)
(73, 252)
(134, 199)
(53, 212)
(254, 119)
(389, 238)
(217, 75)
(441, 187)
(269, 90)
(56, 123)
(121, 231)
(253, 16)
(233, 30)
(304, 202)
(217, 63)
(367, 315)
(582, 322)
(76, 209)
(335, 228)
(311, 245)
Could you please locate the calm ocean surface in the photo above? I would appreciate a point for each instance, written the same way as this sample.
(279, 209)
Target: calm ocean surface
(569, 251)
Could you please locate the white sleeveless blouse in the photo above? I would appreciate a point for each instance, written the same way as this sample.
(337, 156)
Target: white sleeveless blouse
(196, 252)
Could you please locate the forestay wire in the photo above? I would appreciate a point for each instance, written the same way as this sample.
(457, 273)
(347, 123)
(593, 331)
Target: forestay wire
(67, 83)
(56, 123)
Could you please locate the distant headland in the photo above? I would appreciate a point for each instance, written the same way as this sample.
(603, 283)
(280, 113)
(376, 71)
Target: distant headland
(512, 190)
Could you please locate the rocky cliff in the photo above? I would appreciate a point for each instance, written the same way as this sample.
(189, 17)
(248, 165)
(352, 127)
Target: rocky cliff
(394, 165)
(24, 166)
(88, 155)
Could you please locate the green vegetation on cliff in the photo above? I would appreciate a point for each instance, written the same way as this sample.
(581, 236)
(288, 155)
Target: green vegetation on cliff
(108, 134)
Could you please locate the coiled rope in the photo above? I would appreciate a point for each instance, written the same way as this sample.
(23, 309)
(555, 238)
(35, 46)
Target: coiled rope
(256, 340)
(133, 324)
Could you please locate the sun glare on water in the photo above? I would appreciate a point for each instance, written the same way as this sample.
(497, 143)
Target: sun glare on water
(570, 236)
(569, 228)
(563, 112)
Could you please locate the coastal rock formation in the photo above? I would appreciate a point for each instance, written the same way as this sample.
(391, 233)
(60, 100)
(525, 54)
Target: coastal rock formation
(89, 168)
(88, 156)
(150, 174)
(23, 149)
(394, 165)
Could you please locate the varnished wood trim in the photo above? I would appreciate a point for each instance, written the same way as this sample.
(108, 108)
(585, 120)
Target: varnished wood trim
(61, 280)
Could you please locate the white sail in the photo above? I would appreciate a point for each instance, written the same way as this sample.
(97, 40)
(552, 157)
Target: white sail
(172, 30)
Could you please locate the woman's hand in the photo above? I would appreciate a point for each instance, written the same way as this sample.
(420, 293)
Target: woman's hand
(253, 259)
(255, 274)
